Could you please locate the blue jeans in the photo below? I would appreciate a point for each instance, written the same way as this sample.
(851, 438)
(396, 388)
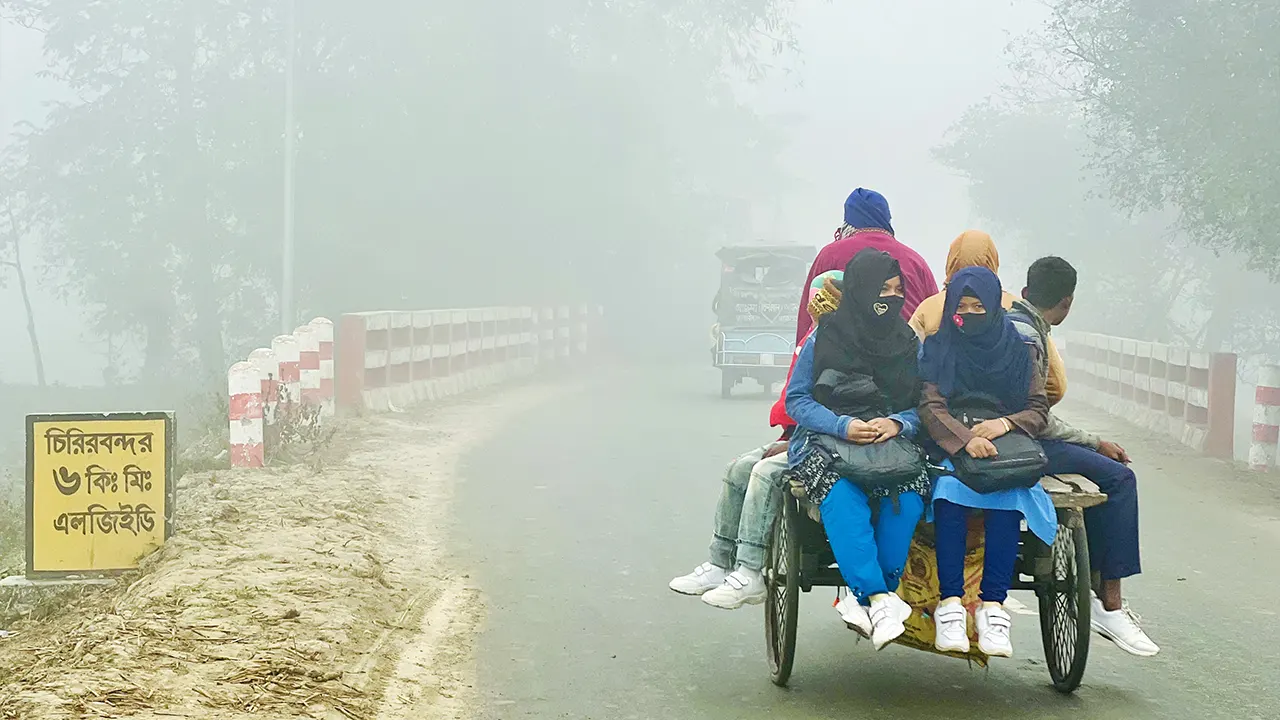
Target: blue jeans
(871, 561)
(746, 509)
(951, 531)
(1112, 526)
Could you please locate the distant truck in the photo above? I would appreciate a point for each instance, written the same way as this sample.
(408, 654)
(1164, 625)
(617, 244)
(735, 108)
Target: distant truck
(756, 309)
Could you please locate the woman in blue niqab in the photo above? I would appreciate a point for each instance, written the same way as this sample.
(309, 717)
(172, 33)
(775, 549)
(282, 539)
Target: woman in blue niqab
(978, 352)
(979, 349)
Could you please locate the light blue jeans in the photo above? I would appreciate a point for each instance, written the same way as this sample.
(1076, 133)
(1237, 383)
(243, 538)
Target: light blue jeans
(746, 509)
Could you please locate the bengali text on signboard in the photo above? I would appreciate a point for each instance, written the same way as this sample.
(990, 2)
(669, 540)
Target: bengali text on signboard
(99, 491)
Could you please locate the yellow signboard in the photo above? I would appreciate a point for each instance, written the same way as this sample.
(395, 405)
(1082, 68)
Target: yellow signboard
(99, 491)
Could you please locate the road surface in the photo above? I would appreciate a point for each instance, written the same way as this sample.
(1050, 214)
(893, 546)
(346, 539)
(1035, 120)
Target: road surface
(583, 508)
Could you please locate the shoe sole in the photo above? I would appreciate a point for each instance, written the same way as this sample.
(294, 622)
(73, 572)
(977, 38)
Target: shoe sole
(1121, 644)
(693, 593)
(861, 633)
(753, 600)
(856, 629)
(882, 644)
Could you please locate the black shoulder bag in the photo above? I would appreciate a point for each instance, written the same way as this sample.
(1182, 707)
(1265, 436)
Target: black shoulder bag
(1020, 461)
(876, 466)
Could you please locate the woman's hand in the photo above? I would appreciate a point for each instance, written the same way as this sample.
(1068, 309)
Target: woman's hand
(992, 429)
(887, 428)
(861, 433)
(980, 447)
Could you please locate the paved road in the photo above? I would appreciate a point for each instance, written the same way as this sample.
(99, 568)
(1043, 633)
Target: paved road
(579, 514)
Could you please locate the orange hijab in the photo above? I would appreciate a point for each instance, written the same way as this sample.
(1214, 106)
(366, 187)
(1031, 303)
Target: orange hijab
(973, 248)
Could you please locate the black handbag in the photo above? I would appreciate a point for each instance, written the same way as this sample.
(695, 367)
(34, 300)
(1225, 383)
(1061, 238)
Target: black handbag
(1020, 460)
(878, 469)
(875, 465)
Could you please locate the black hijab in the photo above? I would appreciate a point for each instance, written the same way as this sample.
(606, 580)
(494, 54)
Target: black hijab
(867, 336)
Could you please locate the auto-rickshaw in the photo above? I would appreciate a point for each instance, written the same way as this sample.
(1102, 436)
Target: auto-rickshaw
(756, 309)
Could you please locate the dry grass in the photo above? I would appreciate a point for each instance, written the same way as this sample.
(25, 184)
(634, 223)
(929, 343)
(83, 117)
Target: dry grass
(242, 612)
(11, 537)
(286, 592)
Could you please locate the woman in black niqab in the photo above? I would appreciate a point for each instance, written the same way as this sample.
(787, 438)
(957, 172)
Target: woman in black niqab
(863, 390)
(866, 335)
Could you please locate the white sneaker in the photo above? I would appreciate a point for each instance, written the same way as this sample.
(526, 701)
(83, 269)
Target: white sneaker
(993, 631)
(741, 587)
(1123, 628)
(888, 615)
(904, 609)
(703, 578)
(951, 628)
(855, 616)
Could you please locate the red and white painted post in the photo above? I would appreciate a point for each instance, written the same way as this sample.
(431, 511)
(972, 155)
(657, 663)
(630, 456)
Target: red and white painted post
(308, 364)
(1266, 419)
(264, 360)
(324, 336)
(245, 391)
(287, 357)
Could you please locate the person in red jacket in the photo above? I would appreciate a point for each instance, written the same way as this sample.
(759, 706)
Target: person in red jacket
(824, 297)
(867, 225)
(749, 499)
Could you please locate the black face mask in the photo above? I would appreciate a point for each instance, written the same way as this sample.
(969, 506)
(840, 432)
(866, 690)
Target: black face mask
(885, 309)
(973, 323)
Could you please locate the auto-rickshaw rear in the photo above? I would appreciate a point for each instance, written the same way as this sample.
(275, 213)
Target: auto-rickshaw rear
(756, 308)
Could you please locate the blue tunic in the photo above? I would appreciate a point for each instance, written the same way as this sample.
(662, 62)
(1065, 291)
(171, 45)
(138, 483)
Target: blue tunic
(1033, 503)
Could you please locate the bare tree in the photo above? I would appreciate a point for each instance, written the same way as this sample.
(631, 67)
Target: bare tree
(11, 258)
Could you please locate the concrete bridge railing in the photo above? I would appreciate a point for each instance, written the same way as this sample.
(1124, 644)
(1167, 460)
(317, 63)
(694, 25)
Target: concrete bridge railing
(1182, 392)
(385, 360)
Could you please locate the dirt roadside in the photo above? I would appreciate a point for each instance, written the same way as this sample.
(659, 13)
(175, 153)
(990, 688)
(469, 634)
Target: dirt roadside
(289, 592)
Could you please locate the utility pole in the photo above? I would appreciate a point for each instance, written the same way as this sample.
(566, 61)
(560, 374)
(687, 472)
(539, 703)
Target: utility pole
(286, 284)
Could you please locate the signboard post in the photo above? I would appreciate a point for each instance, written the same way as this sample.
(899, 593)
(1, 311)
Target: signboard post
(99, 491)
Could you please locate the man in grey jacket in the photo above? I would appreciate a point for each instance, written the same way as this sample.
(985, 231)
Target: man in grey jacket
(1112, 526)
(1035, 325)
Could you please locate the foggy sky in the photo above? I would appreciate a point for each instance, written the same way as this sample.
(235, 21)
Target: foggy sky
(874, 88)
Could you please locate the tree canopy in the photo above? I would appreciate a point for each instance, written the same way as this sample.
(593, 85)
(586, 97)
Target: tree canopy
(447, 152)
(1136, 141)
(1183, 98)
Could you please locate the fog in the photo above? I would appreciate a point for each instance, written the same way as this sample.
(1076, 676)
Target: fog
(462, 154)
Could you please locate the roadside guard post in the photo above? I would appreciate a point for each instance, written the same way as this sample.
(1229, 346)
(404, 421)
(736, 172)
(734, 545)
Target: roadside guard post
(99, 491)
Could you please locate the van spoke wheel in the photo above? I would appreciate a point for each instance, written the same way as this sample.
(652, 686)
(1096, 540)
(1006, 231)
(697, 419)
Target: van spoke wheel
(1065, 604)
(782, 583)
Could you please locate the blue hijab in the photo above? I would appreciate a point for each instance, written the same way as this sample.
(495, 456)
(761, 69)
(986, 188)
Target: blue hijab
(867, 209)
(996, 362)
